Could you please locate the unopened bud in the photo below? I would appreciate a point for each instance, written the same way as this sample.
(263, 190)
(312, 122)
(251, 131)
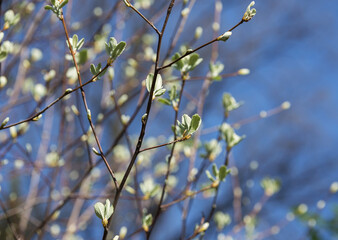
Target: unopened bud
(225, 36)
(243, 71)
(286, 105)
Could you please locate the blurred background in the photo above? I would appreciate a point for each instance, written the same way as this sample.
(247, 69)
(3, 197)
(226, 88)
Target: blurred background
(291, 50)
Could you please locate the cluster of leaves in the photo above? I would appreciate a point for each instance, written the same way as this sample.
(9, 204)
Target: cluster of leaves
(215, 69)
(217, 175)
(270, 186)
(187, 63)
(114, 49)
(229, 135)
(56, 7)
(159, 90)
(188, 125)
(230, 103)
(173, 98)
(104, 212)
(212, 150)
(7, 47)
(249, 13)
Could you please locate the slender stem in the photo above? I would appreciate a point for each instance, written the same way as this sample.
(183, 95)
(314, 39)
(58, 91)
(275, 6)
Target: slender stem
(144, 122)
(86, 105)
(165, 144)
(190, 195)
(158, 212)
(198, 48)
(144, 18)
(188, 53)
(55, 101)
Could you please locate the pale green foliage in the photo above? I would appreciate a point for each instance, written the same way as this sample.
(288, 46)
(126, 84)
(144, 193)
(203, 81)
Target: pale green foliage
(217, 174)
(114, 49)
(104, 212)
(229, 135)
(11, 18)
(230, 103)
(6, 48)
(189, 125)
(270, 186)
(97, 71)
(215, 69)
(188, 63)
(149, 188)
(57, 7)
(222, 220)
(75, 43)
(249, 13)
(158, 89)
(147, 220)
(212, 150)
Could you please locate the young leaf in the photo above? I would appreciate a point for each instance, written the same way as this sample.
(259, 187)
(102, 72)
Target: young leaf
(63, 3)
(109, 209)
(173, 93)
(80, 44)
(99, 210)
(74, 41)
(164, 101)
(214, 170)
(118, 49)
(149, 81)
(211, 178)
(112, 42)
(193, 61)
(48, 7)
(179, 64)
(146, 222)
(222, 173)
(195, 123)
(4, 122)
(158, 84)
(158, 90)
(230, 103)
(186, 121)
(92, 69)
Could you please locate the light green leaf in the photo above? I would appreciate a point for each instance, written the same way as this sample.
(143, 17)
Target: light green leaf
(74, 41)
(3, 55)
(222, 173)
(109, 209)
(179, 64)
(214, 170)
(63, 3)
(186, 121)
(118, 49)
(93, 69)
(99, 210)
(195, 123)
(158, 84)
(80, 44)
(211, 178)
(164, 101)
(159, 92)
(48, 7)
